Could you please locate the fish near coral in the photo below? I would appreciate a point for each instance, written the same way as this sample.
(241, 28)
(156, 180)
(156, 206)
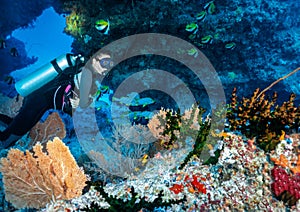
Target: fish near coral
(2, 44)
(193, 29)
(201, 16)
(102, 26)
(210, 7)
(193, 52)
(230, 46)
(144, 159)
(207, 39)
(14, 52)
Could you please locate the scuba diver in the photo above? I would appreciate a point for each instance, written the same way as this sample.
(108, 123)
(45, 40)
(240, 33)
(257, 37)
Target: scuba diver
(52, 87)
(88, 87)
(49, 87)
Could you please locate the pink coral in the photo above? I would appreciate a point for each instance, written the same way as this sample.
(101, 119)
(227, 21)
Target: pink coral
(286, 187)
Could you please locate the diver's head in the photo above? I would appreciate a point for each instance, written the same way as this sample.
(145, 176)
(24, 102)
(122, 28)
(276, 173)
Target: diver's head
(101, 63)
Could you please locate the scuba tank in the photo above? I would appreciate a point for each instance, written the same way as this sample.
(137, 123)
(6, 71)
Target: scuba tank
(46, 73)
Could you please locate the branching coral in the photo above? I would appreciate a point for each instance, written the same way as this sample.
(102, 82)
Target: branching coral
(174, 130)
(74, 24)
(199, 143)
(171, 128)
(259, 117)
(128, 145)
(161, 129)
(33, 180)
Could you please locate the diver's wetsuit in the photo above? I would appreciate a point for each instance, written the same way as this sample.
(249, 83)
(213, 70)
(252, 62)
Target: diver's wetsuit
(33, 108)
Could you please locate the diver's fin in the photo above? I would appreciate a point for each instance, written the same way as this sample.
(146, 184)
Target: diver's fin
(10, 141)
(5, 119)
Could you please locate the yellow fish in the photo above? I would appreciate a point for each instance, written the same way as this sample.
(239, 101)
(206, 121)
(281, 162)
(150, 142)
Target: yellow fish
(144, 159)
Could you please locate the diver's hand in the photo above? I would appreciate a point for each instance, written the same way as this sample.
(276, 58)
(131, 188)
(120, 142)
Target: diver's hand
(74, 102)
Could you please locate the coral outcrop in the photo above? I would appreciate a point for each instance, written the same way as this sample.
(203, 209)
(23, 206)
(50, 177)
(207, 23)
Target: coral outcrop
(260, 117)
(32, 180)
(52, 127)
(286, 187)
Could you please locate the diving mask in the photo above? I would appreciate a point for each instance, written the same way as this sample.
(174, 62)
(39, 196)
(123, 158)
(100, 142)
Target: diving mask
(106, 63)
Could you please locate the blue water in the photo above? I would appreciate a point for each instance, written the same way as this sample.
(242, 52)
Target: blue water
(267, 34)
(45, 40)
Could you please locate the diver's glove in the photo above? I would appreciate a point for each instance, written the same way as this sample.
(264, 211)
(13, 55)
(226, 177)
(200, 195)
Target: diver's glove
(74, 102)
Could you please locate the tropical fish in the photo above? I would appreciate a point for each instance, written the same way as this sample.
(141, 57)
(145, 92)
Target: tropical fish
(210, 147)
(207, 39)
(192, 36)
(282, 136)
(232, 75)
(193, 52)
(2, 44)
(210, 7)
(144, 159)
(86, 38)
(102, 26)
(14, 52)
(102, 90)
(201, 16)
(230, 46)
(192, 27)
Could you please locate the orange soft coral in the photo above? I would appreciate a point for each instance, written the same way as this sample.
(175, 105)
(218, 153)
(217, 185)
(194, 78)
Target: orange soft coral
(283, 162)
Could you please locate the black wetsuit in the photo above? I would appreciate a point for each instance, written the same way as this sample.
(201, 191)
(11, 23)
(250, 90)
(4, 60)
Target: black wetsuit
(34, 106)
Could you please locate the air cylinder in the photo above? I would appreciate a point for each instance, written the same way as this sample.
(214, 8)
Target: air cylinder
(44, 74)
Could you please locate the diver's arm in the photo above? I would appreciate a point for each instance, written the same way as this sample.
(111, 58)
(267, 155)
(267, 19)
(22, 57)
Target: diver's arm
(93, 65)
(85, 87)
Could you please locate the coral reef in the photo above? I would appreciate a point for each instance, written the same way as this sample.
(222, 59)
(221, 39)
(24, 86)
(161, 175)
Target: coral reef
(74, 23)
(259, 117)
(200, 142)
(134, 203)
(286, 173)
(283, 162)
(42, 132)
(10, 106)
(172, 128)
(286, 187)
(237, 176)
(240, 180)
(165, 127)
(34, 180)
(120, 153)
